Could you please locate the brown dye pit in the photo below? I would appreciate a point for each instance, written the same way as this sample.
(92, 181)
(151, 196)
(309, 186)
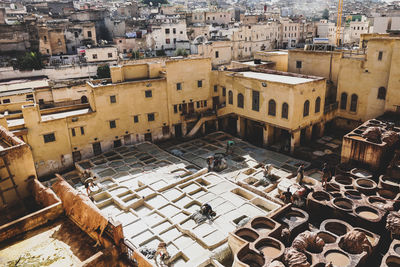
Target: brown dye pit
(337, 258)
(368, 215)
(270, 251)
(397, 249)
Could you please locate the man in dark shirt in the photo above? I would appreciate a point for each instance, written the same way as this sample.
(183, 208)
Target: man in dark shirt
(300, 173)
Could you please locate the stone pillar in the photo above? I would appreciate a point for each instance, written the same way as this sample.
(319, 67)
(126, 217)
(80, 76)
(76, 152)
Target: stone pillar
(217, 125)
(268, 135)
(238, 122)
(203, 128)
(294, 140)
(321, 129)
(184, 129)
(309, 133)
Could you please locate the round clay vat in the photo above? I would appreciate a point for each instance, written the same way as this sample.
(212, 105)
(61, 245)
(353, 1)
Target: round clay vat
(321, 195)
(327, 237)
(374, 121)
(247, 234)
(366, 186)
(336, 227)
(293, 217)
(270, 247)
(360, 173)
(389, 183)
(352, 194)
(376, 201)
(250, 257)
(342, 203)
(387, 194)
(262, 224)
(332, 187)
(367, 213)
(396, 249)
(393, 261)
(357, 131)
(337, 257)
(343, 180)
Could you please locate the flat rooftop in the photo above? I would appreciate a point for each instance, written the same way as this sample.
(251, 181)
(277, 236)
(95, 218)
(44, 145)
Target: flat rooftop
(276, 77)
(15, 85)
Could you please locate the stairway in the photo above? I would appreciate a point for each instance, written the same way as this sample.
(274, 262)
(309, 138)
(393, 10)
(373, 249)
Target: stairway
(199, 124)
(10, 176)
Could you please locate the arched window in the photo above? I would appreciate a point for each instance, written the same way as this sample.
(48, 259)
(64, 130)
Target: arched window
(343, 101)
(285, 110)
(230, 97)
(317, 104)
(272, 107)
(306, 109)
(240, 101)
(382, 93)
(353, 103)
(84, 99)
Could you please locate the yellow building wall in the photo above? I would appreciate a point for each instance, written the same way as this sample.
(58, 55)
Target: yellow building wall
(281, 60)
(392, 102)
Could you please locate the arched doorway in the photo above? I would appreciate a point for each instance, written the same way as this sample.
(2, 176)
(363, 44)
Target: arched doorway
(84, 99)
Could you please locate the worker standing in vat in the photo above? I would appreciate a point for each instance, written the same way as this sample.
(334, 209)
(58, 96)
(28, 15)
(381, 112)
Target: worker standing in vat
(229, 147)
(210, 162)
(207, 211)
(300, 174)
(326, 175)
(89, 182)
(286, 196)
(162, 252)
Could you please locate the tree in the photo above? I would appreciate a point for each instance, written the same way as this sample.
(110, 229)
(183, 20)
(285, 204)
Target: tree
(160, 53)
(325, 14)
(103, 71)
(30, 61)
(154, 2)
(136, 55)
(180, 52)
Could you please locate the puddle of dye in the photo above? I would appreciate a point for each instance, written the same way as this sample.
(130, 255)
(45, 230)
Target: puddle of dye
(271, 252)
(368, 215)
(337, 259)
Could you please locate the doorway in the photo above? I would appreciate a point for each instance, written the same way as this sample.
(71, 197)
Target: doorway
(215, 102)
(191, 107)
(147, 137)
(96, 148)
(178, 130)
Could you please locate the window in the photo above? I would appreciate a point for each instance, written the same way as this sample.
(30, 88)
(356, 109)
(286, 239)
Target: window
(198, 104)
(113, 124)
(199, 83)
(148, 93)
(136, 119)
(215, 88)
(298, 64)
(179, 86)
(272, 107)
(382, 93)
(240, 101)
(82, 130)
(109, 55)
(89, 34)
(216, 54)
(94, 56)
(175, 108)
(29, 97)
(49, 138)
(45, 39)
(113, 99)
(205, 103)
(117, 143)
(380, 55)
(76, 34)
(230, 97)
(343, 101)
(73, 132)
(306, 109)
(167, 41)
(166, 31)
(150, 117)
(223, 91)
(7, 100)
(174, 31)
(317, 104)
(256, 101)
(285, 110)
(353, 103)
(174, 40)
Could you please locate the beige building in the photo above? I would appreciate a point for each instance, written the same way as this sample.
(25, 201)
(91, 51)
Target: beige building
(220, 52)
(101, 54)
(375, 72)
